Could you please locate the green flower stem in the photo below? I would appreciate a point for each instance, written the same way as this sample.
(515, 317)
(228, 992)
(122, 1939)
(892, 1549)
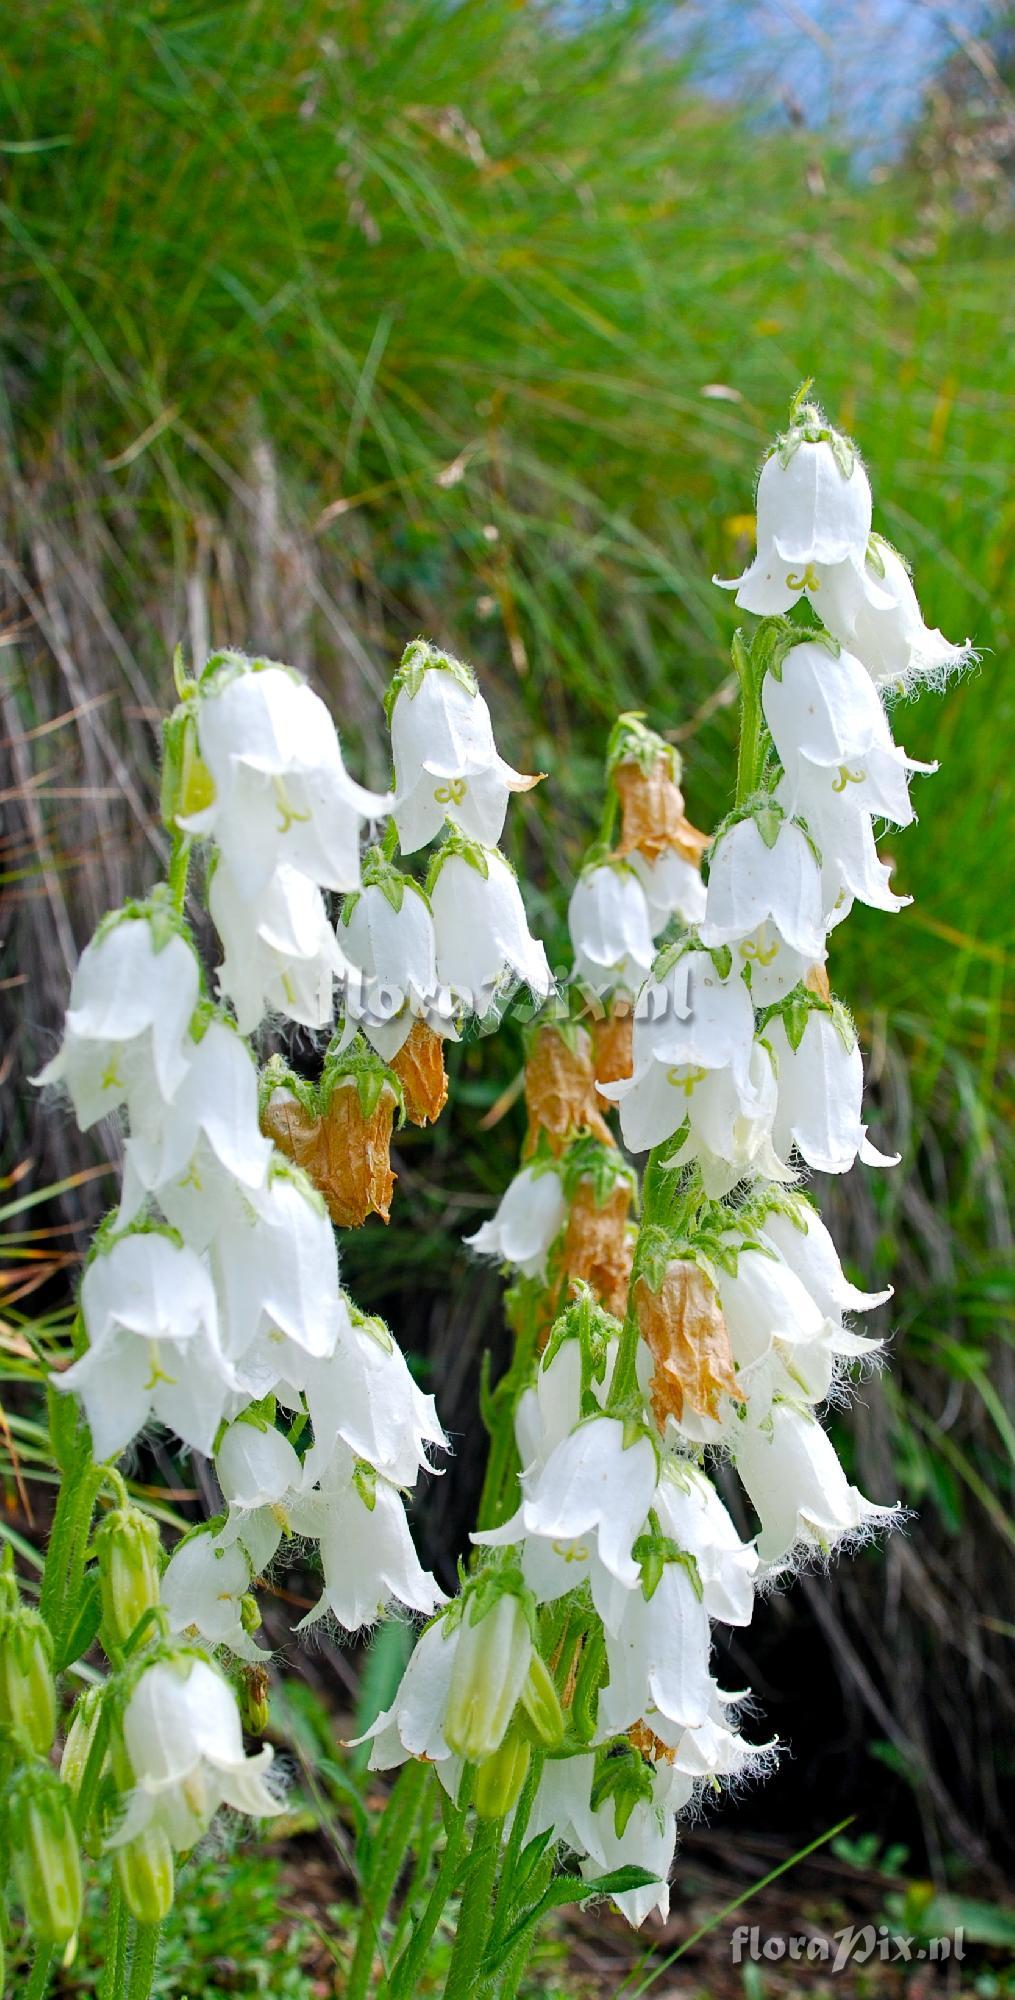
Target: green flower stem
(750, 749)
(42, 1965)
(178, 870)
(114, 1971)
(383, 1871)
(499, 1415)
(63, 1575)
(511, 1976)
(405, 1976)
(143, 1959)
(474, 1914)
(504, 1904)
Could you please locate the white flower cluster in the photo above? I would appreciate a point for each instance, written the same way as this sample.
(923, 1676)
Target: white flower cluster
(211, 1300)
(744, 1072)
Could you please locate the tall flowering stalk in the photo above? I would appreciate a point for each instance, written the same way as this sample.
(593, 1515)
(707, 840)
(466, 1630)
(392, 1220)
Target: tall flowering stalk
(564, 1702)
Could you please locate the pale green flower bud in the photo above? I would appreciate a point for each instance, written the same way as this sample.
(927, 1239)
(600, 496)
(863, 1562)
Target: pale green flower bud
(27, 1693)
(147, 1875)
(541, 1704)
(46, 1860)
(80, 1737)
(127, 1545)
(491, 1665)
(499, 1779)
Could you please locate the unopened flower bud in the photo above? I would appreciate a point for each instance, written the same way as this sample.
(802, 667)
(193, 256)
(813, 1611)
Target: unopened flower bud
(541, 1705)
(187, 784)
(27, 1694)
(253, 1693)
(147, 1875)
(500, 1777)
(46, 1860)
(127, 1545)
(491, 1665)
(80, 1737)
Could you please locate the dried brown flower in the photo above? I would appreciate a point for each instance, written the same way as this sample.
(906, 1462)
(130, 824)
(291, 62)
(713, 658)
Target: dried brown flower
(613, 1046)
(560, 1090)
(817, 982)
(597, 1245)
(683, 1326)
(652, 805)
(346, 1155)
(419, 1067)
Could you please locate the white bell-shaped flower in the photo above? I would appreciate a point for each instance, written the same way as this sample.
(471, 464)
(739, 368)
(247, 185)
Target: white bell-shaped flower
(216, 1101)
(659, 1657)
(563, 1802)
(689, 1027)
(414, 1724)
(367, 1551)
(798, 1488)
(447, 766)
(392, 947)
(183, 1737)
(592, 1486)
(831, 732)
(693, 1516)
(282, 796)
(364, 1396)
(149, 1311)
(531, 1214)
(611, 932)
(875, 612)
(795, 1230)
(280, 952)
(262, 1481)
(713, 1749)
(782, 1342)
(125, 1036)
(673, 888)
(483, 937)
(814, 516)
(844, 835)
(820, 1095)
(203, 1588)
(276, 1273)
(764, 899)
(729, 1130)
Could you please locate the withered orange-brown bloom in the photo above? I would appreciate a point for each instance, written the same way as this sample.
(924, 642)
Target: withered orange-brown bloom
(682, 1324)
(816, 982)
(613, 1045)
(347, 1156)
(598, 1246)
(653, 820)
(419, 1067)
(560, 1090)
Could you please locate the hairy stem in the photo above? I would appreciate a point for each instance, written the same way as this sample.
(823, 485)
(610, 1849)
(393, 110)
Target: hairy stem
(474, 1915)
(142, 1964)
(406, 1973)
(383, 1872)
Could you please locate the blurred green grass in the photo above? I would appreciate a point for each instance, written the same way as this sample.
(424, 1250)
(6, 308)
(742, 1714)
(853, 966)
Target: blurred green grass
(324, 324)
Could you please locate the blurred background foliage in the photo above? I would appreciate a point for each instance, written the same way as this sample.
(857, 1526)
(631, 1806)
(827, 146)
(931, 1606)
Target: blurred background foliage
(324, 324)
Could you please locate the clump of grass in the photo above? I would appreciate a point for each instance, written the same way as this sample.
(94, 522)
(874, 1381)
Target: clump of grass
(320, 326)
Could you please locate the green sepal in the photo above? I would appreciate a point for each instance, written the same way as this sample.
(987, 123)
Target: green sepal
(365, 1067)
(631, 742)
(588, 1159)
(623, 1775)
(419, 658)
(472, 851)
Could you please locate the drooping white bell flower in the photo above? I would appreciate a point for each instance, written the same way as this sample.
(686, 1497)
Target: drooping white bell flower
(782, 1342)
(795, 1230)
(414, 1724)
(280, 952)
(483, 937)
(367, 1551)
(844, 835)
(592, 1486)
(563, 1803)
(389, 941)
(692, 1514)
(531, 1213)
(713, 1749)
(798, 1488)
(673, 888)
(831, 732)
(282, 795)
(276, 1273)
(149, 1311)
(820, 1095)
(611, 932)
(814, 517)
(658, 1658)
(364, 1396)
(217, 1100)
(203, 1588)
(447, 766)
(262, 1481)
(729, 1130)
(897, 648)
(125, 1037)
(764, 898)
(688, 1026)
(182, 1733)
